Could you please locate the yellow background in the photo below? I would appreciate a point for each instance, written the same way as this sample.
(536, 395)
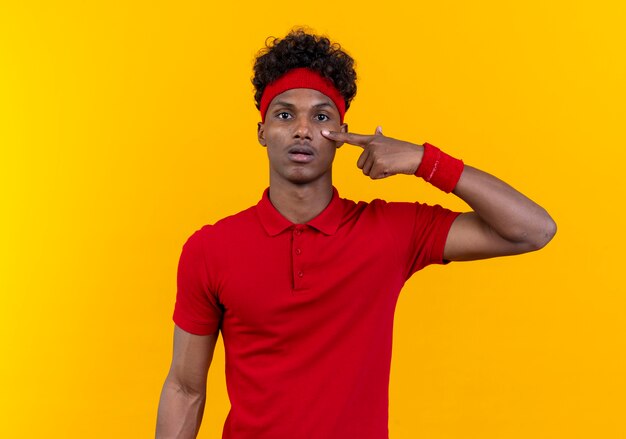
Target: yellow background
(125, 126)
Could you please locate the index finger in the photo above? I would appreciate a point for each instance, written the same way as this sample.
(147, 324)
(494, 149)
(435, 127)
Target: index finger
(351, 138)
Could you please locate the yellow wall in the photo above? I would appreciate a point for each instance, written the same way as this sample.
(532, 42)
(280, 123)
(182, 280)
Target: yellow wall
(125, 126)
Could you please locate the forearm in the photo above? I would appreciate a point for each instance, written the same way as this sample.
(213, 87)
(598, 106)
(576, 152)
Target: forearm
(506, 211)
(180, 412)
(504, 221)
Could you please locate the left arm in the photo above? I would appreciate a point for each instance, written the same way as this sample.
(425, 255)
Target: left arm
(503, 221)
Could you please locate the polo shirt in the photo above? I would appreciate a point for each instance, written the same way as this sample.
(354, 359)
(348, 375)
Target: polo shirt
(306, 311)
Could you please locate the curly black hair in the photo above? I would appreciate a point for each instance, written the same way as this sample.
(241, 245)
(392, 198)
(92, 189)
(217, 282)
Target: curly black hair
(301, 49)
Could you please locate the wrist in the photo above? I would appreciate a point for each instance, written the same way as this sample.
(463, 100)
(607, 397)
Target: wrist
(439, 169)
(417, 160)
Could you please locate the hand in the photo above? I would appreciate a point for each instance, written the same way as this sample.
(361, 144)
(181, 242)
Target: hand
(382, 156)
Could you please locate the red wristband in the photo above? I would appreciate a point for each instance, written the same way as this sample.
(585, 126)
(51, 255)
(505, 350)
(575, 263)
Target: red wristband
(439, 169)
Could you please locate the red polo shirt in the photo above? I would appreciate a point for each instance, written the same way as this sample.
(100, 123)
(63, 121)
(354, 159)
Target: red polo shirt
(306, 311)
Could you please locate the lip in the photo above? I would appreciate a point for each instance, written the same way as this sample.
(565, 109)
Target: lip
(301, 154)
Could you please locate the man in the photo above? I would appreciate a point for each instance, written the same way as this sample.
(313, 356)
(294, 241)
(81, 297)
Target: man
(303, 286)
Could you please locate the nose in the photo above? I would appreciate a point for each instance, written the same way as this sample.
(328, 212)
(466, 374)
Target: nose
(303, 129)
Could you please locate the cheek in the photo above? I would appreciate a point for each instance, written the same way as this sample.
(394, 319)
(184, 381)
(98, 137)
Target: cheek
(330, 145)
(330, 151)
(274, 134)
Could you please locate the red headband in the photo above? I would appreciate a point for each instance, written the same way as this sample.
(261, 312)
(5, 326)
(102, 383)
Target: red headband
(302, 77)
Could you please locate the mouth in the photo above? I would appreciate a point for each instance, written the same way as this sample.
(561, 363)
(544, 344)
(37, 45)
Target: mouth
(301, 154)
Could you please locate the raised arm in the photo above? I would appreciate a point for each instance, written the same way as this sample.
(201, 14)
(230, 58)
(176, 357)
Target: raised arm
(184, 393)
(503, 221)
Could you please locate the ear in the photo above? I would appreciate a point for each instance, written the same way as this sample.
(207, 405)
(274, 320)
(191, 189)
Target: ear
(261, 133)
(342, 129)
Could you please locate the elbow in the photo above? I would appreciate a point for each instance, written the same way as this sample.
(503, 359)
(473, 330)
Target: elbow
(544, 234)
(535, 235)
(191, 392)
(187, 389)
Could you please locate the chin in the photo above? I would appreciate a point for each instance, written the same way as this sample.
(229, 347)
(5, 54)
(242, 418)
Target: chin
(302, 175)
(301, 180)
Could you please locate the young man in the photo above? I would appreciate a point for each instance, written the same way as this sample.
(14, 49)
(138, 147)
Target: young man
(303, 286)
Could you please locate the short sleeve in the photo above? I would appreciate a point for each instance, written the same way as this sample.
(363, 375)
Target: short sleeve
(420, 231)
(197, 310)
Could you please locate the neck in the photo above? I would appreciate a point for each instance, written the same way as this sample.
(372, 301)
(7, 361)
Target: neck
(300, 203)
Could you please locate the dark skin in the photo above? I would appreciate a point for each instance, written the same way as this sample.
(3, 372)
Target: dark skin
(302, 132)
(300, 189)
(504, 221)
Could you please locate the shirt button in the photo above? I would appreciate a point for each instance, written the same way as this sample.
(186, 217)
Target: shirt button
(298, 251)
(300, 274)
(298, 232)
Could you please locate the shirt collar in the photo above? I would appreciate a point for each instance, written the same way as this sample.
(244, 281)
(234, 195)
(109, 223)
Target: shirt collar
(274, 223)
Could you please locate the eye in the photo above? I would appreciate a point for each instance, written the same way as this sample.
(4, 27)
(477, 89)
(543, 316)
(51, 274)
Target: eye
(322, 117)
(283, 115)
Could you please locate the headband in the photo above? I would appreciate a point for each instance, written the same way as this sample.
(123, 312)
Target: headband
(302, 77)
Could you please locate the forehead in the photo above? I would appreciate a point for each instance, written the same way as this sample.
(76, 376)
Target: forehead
(303, 98)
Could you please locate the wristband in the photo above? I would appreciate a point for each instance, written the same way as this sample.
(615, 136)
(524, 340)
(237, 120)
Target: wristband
(439, 169)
